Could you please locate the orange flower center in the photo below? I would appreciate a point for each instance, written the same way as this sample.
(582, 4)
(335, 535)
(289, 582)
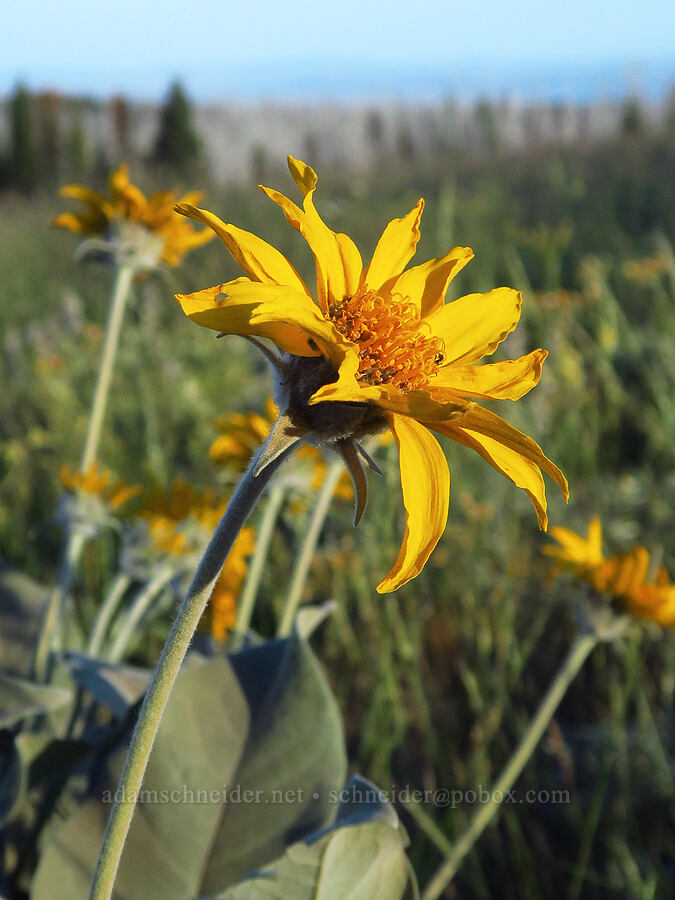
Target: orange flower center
(392, 347)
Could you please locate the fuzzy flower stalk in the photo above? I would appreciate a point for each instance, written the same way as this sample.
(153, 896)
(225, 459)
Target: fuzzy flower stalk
(137, 234)
(376, 348)
(623, 586)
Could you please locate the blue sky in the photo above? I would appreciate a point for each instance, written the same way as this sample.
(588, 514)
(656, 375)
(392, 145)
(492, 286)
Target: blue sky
(258, 47)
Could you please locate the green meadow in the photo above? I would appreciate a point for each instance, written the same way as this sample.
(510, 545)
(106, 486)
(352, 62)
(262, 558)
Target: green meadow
(435, 683)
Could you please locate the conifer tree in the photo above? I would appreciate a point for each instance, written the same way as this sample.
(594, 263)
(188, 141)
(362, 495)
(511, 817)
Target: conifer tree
(23, 170)
(177, 143)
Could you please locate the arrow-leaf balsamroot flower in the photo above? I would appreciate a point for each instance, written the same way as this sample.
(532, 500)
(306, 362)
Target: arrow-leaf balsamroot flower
(241, 434)
(378, 348)
(623, 577)
(131, 219)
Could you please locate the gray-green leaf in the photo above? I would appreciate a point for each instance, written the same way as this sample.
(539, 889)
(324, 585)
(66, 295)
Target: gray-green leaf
(263, 721)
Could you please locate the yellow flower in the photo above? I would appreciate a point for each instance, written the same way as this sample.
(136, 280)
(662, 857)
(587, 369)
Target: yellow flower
(378, 349)
(181, 521)
(647, 269)
(576, 554)
(222, 609)
(127, 207)
(241, 434)
(99, 482)
(624, 576)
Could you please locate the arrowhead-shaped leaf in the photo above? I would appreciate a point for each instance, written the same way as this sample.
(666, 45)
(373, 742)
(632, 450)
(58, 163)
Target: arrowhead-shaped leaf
(20, 699)
(117, 687)
(361, 856)
(262, 721)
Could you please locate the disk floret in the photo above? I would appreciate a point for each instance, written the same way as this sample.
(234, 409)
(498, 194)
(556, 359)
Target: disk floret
(393, 348)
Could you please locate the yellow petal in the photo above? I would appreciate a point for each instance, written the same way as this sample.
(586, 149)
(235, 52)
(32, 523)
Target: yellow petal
(630, 570)
(575, 549)
(594, 539)
(260, 260)
(306, 179)
(160, 207)
(416, 404)
(425, 480)
(330, 274)
(89, 222)
(129, 201)
(89, 197)
(287, 317)
(491, 425)
(304, 176)
(475, 325)
(521, 471)
(427, 283)
(509, 380)
(180, 241)
(352, 264)
(395, 248)
(192, 198)
(119, 179)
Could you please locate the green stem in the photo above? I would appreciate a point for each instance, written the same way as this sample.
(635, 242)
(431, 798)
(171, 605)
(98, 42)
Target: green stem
(304, 558)
(106, 612)
(572, 664)
(123, 280)
(243, 500)
(52, 623)
(75, 541)
(142, 602)
(263, 539)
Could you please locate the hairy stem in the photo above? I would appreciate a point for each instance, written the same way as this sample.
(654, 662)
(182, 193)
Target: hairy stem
(54, 615)
(106, 612)
(243, 500)
(118, 301)
(52, 623)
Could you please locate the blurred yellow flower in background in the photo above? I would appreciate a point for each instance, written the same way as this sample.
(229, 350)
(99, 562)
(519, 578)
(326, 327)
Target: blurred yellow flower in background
(241, 434)
(99, 482)
(624, 576)
(181, 521)
(378, 348)
(221, 613)
(127, 205)
(576, 554)
(646, 269)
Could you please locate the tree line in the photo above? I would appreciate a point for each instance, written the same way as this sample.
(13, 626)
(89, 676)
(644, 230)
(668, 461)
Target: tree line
(45, 147)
